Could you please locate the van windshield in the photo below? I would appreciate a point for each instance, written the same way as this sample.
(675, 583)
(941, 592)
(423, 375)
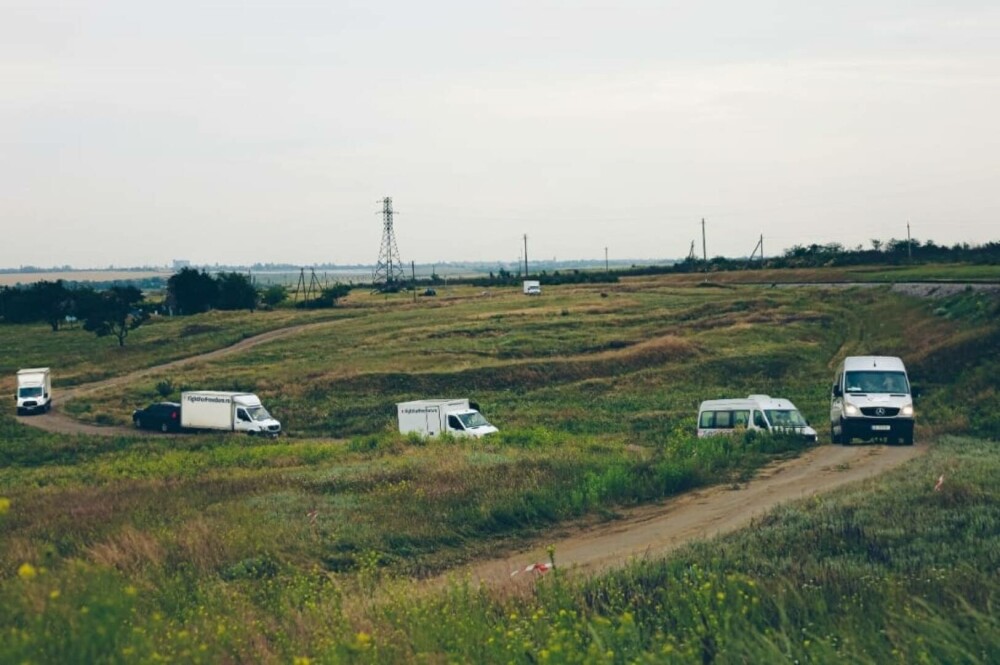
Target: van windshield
(786, 418)
(474, 419)
(875, 381)
(258, 413)
(35, 391)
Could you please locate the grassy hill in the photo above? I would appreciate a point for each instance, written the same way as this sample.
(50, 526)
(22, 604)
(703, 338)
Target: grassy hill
(215, 549)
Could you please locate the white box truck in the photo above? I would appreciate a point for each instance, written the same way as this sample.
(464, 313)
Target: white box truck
(532, 287)
(431, 417)
(227, 411)
(34, 390)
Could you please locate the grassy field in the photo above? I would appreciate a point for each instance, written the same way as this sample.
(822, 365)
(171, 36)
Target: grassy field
(220, 549)
(78, 356)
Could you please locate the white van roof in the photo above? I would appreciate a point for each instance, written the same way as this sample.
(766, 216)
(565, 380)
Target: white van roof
(855, 363)
(762, 402)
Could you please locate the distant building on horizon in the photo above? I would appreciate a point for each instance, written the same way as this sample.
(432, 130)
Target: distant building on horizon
(180, 264)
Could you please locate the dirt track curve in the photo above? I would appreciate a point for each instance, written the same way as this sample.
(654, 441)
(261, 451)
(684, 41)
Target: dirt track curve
(60, 423)
(647, 531)
(652, 531)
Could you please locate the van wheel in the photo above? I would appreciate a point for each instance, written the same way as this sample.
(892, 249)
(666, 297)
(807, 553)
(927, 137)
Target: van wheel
(844, 439)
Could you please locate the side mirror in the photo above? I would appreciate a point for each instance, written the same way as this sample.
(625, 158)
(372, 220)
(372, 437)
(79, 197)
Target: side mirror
(837, 392)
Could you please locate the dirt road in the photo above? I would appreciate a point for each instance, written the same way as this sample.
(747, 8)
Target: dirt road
(648, 531)
(652, 531)
(58, 422)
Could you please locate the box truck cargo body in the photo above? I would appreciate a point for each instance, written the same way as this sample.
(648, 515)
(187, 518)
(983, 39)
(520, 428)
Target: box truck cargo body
(431, 417)
(227, 411)
(34, 390)
(532, 287)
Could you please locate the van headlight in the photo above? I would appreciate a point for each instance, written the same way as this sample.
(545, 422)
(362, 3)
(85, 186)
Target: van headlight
(906, 410)
(851, 410)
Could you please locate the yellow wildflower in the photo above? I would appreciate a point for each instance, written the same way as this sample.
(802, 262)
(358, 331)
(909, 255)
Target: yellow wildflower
(27, 571)
(4, 504)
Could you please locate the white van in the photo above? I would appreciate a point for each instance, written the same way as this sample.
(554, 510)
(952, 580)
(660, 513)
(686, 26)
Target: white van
(871, 399)
(756, 412)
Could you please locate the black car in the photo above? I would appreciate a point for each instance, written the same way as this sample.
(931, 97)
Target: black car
(164, 416)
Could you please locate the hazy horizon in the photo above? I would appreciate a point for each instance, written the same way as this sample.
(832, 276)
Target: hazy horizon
(135, 134)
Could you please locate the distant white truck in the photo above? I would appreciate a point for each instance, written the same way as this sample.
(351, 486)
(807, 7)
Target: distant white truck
(532, 287)
(34, 390)
(432, 417)
(226, 411)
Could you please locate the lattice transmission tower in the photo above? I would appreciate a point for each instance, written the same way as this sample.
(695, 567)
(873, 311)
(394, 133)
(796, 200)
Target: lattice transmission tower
(388, 275)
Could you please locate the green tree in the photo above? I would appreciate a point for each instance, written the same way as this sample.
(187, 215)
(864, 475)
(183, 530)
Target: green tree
(274, 295)
(191, 292)
(235, 291)
(327, 298)
(115, 312)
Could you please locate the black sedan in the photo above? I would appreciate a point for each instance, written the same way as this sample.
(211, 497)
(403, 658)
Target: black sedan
(164, 416)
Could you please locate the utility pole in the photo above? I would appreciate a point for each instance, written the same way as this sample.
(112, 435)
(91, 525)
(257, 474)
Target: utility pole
(704, 247)
(606, 268)
(909, 243)
(526, 256)
(413, 278)
(762, 249)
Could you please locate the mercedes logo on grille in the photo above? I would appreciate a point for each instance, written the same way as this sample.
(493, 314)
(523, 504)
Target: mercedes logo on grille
(880, 411)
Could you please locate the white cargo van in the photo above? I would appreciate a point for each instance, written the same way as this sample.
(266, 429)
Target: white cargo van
(431, 417)
(871, 399)
(756, 412)
(532, 287)
(34, 390)
(227, 411)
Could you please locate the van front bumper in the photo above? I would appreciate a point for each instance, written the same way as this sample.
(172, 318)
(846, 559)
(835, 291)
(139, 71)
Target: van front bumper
(877, 428)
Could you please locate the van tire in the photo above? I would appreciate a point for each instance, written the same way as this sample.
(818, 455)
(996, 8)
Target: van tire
(844, 438)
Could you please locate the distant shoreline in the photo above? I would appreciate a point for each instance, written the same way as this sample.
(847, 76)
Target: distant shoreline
(12, 278)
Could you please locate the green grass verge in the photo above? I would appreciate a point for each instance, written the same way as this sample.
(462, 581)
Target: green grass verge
(886, 571)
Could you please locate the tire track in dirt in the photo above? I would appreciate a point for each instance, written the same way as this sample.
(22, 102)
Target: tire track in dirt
(650, 531)
(653, 531)
(60, 423)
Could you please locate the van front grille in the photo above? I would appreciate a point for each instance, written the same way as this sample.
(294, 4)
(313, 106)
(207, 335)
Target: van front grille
(879, 411)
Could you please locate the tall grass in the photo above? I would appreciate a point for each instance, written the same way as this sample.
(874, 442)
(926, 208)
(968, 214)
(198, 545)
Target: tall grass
(838, 578)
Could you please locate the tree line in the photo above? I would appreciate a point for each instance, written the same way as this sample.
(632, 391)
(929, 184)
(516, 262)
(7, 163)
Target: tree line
(112, 312)
(118, 309)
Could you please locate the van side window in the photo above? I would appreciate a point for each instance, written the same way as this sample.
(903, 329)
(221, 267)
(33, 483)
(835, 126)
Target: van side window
(758, 420)
(723, 419)
(741, 418)
(242, 415)
(707, 420)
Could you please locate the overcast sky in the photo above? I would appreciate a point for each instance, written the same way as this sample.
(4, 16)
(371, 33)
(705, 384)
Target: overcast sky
(135, 132)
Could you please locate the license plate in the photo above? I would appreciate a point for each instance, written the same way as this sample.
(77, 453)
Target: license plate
(881, 428)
